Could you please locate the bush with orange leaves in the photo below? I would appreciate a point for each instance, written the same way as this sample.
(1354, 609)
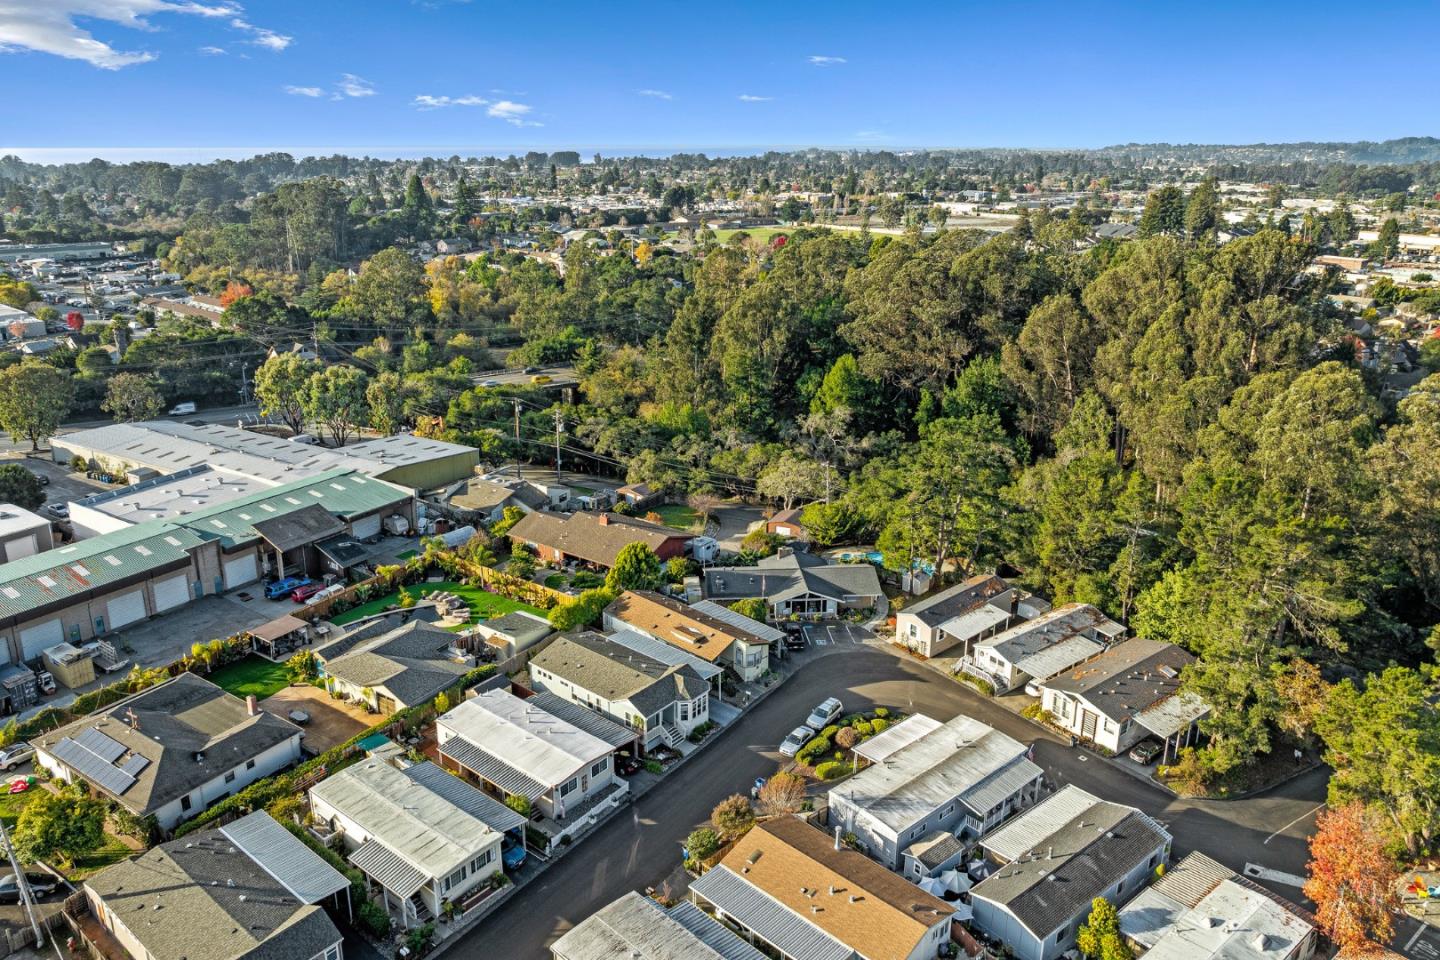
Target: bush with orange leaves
(1352, 881)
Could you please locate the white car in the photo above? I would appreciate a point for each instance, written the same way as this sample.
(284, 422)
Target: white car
(798, 738)
(825, 714)
(15, 754)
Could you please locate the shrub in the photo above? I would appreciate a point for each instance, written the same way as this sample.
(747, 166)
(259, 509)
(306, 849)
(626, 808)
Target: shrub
(864, 728)
(520, 804)
(419, 937)
(832, 769)
(407, 600)
(847, 738)
(701, 843)
(881, 712)
(830, 731)
(655, 767)
(879, 725)
(374, 919)
(984, 686)
(813, 749)
(733, 816)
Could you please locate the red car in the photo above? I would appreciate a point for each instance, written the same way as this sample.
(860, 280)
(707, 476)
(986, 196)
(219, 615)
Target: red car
(305, 592)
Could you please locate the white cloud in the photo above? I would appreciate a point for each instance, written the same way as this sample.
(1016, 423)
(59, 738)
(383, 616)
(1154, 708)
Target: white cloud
(751, 98)
(49, 26)
(657, 94)
(511, 112)
(425, 101)
(353, 86)
(305, 91)
(213, 51)
(818, 61)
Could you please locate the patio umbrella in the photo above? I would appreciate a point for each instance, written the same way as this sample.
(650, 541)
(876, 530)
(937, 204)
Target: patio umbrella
(955, 881)
(932, 886)
(963, 911)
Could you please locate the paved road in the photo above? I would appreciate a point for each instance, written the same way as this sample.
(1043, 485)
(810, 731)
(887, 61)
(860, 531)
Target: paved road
(640, 847)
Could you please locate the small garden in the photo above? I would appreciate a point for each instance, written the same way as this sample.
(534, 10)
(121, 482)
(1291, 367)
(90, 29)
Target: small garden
(824, 755)
(253, 676)
(483, 604)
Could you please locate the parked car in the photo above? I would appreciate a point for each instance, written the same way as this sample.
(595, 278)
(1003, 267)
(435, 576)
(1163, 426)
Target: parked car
(281, 587)
(798, 738)
(43, 478)
(512, 854)
(1145, 752)
(306, 591)
(15, 754)
(795, 639)
(489, 383)
(58, 511)
(1032, 689)
(824, 715)
(41, 884)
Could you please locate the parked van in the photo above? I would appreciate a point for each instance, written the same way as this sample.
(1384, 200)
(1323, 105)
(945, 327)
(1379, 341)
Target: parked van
(304, 438)
(182, 409)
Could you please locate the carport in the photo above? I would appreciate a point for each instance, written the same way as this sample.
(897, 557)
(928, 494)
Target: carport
(290, 537)
(1175, 720)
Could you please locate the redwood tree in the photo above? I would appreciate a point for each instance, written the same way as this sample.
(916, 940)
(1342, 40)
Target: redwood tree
(1352, 881)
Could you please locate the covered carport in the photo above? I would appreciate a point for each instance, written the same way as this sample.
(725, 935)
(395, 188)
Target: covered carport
(290, 538)
(1175, 721)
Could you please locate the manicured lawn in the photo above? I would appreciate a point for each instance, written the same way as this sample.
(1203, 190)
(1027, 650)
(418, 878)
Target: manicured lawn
(483, 605)
(406, 555)
(252, 675)
(111, 852)
(12, 803)
(580, 491)
(765, 234)
(679, 516)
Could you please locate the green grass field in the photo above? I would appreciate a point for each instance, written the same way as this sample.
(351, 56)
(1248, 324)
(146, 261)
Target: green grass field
(678, 516)
(12, 803)
(252, 675)
(760, 233)
(483, 604)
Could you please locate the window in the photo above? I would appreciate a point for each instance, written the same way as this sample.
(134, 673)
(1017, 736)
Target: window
(230, 776)
(479, 862)
(332, 952)
(249, 764)
(456, 878)
(184, 803)
(568, 787)
(599, 766)
(684, 711)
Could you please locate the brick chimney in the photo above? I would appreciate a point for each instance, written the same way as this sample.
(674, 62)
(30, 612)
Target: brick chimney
(604, 519)
(252, 706)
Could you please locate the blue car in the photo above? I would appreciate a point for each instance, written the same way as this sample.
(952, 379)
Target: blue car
(512, 855)
(284, 587)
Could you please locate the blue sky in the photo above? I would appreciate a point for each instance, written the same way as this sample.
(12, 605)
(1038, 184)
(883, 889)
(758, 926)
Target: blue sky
(187, 79)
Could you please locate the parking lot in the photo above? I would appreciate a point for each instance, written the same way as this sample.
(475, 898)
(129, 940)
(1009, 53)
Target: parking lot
(836, 634)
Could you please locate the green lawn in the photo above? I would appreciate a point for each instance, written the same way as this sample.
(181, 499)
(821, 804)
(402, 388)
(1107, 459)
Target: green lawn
(406, 555)
(761, 233)
(111, 852)
(12, 803)
(580, 491)
(252, 675)
(483, 604)
(678, 516)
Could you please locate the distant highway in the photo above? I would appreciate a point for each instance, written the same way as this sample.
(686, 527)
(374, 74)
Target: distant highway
(559, 377)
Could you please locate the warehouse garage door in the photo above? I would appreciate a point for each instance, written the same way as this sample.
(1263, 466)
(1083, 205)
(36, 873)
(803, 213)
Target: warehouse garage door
(366, 527)
(240, 571)
(171, 593)
(127, 609)
(40, 637)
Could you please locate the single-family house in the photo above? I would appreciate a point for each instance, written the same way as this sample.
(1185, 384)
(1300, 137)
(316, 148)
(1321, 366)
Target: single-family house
(786, 523)
(662, 701)
(637, 495)
(791, 889)
(515, 748)
(1042, 647)
(485, 498)
(422, 835)
(1126, 693)
(172, 750)
(641, 929)
(392, 667)
(250, 890)
(1055, 859)
(971, 610)
(512, 633)
(796, 584)
(1201, 910)
(695, 631)
(593, 538)
(962, 776)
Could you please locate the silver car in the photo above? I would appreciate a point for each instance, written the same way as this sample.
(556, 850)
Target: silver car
(797, 739)
(15, 754)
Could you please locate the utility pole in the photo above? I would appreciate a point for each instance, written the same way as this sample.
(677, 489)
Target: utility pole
(27, 899)
(559, 429)
(516, 405)
(244, 384)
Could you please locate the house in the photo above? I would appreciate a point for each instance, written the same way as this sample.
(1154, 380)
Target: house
(485, 500)
(641, 929)
(791, 889)
(1054, 860)
(250, 890)
(452, 245)
(513, 633)
(695, 631)
(637, 495)
(795, 584)
(971, 610)
(390, 667)
(422, 835)
(172, 750)
(786, 523)
(963, 777)
(1116, 231)
(298, 349)
(664, 702)
(1124, 694)
(593, 538)
(1042, 647)
(22, 533)
(1201, 910)
(515, 748)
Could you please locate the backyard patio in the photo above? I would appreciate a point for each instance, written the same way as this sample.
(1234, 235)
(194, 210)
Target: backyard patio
(483, 604)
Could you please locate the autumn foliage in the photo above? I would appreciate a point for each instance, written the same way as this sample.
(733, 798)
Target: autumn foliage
(1352, 881)
(234, 290)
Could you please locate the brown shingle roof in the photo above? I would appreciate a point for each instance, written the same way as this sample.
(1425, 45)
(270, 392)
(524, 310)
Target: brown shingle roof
(596, 538)
(678, 624)
(887, 919)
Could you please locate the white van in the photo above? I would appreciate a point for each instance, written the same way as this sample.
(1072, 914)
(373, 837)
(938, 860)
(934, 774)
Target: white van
(182, 409)
(304, 438)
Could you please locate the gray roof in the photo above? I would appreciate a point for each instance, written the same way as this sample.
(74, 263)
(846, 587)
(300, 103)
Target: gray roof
(309, 524)
(1055, 640)
(1129, 678)
(412, 662)
(959, 599)
(593, 663)
(158, 734)
(773, 922)
(595, 724)
(284, 857)
(203, 898)
(935, 848)
(664, 652)
(1071, 863)
(638, 927)
(789, 575)
(524, 628)
(721, 612)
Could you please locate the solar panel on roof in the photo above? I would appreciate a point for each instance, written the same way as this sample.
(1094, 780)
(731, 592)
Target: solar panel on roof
(90, 766)
(106, 748)
(134, 764)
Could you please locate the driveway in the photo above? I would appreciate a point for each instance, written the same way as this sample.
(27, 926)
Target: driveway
(836, 634)
(642, 849)
(733, 521)
(332, 722)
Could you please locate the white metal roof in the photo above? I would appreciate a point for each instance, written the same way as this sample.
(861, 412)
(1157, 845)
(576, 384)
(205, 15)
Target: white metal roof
(1234, 922)
(414, 823)
(1049, 630)
(1172, 714)
(285, 857)
(1045, 663)
(666, 653)
(1022, 834)
(721, 612)
(522, 735)
(974, 622)
(902, 734)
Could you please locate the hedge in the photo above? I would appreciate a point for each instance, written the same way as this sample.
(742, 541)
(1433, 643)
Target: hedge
(813, 749)
(832, 769)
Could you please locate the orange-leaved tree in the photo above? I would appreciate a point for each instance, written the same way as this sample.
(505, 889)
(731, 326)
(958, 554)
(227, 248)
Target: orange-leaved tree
(1352, 881)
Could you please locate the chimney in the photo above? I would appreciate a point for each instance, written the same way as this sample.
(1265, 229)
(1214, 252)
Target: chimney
(837, 836)
(252, 706)
(604, 520)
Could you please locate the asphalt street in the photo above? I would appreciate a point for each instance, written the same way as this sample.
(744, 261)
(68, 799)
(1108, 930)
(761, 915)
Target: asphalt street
(640, 847)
